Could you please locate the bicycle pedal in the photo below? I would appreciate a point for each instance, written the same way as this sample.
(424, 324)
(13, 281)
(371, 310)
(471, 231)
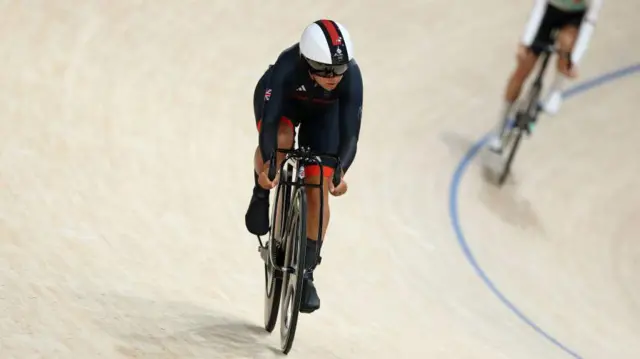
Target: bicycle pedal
(530, 128)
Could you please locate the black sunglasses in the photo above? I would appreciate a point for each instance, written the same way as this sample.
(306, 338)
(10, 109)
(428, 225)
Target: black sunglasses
(326, 70)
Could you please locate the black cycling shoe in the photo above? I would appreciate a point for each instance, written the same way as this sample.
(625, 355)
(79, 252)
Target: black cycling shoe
(257, 217)
(310, 300)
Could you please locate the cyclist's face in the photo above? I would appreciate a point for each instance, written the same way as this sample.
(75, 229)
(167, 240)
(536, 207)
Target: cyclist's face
(327, 83)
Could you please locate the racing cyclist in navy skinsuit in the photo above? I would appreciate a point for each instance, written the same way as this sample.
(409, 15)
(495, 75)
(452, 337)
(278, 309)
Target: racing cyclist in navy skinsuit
(316, 86)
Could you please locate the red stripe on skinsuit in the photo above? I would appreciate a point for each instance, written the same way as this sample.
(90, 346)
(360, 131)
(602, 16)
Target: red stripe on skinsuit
(333, 32)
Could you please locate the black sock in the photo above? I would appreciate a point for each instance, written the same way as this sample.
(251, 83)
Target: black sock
(310, 257)
(256, 186)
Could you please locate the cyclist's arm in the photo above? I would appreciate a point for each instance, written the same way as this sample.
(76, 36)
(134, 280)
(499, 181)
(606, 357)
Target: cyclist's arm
(586, 30)
(272, 110)
(350, 116)
(535, 19)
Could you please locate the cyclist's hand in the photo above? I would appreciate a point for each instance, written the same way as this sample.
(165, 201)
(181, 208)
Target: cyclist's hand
(263, 178)
(338, 190)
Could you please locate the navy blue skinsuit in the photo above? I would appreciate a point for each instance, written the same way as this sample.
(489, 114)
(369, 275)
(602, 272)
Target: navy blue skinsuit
(329, 120)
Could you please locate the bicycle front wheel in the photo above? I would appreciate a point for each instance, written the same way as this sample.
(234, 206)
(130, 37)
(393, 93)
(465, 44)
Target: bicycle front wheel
(295, 244)
(512, 146)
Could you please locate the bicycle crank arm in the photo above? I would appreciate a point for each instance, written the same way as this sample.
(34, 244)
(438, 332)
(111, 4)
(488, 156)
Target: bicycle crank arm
(260, 244)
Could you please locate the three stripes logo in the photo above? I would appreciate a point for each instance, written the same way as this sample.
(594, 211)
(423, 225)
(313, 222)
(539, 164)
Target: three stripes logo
(334, 38)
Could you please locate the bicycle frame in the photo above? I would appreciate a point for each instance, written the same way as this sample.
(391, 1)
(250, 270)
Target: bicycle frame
(297, 159)
(532, 108)
(529, 112)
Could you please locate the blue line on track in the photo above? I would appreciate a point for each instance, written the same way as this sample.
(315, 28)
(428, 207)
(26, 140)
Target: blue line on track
(455, 217)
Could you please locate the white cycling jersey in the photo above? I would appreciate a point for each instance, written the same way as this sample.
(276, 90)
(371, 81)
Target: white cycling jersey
(592, 8)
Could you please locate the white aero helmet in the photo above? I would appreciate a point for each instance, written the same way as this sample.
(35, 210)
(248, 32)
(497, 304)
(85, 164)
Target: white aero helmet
(327, 47)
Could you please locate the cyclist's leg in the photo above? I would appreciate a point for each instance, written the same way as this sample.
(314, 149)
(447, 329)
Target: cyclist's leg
(312, 174)
(320, 132)
(526, 61)
(257, 215)
(566, 40)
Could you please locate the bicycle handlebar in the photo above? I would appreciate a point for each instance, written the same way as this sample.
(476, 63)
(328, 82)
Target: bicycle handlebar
(306, 155)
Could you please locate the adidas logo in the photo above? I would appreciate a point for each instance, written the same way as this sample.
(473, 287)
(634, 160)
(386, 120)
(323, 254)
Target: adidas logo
(301, 88)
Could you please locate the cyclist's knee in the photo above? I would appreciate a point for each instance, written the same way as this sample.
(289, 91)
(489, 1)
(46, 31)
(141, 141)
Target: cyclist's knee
(285, 136)
(566, 41)
(526, 63)
(285, 140)
(567, 38)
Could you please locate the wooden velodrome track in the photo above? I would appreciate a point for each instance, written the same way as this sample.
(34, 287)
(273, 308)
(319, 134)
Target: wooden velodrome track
(125, 155)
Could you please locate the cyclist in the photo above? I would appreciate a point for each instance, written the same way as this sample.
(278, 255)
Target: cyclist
(315, 85)
(574, 21)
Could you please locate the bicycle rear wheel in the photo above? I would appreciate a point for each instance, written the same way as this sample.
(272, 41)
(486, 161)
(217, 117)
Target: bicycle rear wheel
(273, 287)
(295, 243)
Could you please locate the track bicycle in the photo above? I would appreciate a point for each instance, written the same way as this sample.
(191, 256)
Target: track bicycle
(284, 252)
(527, 114)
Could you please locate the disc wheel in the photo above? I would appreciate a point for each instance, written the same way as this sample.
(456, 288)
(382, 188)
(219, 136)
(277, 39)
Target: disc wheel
(273, 288)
